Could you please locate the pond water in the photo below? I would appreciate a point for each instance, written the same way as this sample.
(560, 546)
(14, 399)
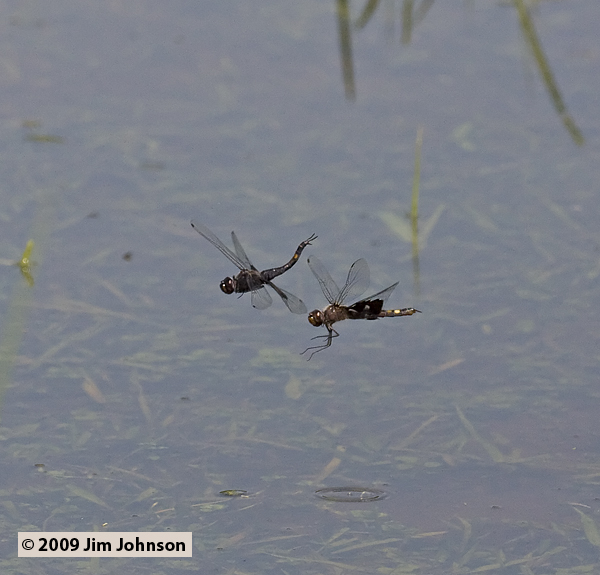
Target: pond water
(136, 396)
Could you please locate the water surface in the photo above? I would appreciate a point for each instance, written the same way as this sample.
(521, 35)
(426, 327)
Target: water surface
(134, 391)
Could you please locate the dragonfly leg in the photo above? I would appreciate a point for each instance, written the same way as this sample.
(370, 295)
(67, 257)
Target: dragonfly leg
(332, 333)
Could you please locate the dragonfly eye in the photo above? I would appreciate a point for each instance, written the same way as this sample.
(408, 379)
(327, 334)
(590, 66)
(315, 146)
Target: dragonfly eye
(227, 285)
(315, 318)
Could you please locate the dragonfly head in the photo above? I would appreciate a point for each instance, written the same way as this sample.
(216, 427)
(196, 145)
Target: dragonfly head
(316, 317)
(227, 285)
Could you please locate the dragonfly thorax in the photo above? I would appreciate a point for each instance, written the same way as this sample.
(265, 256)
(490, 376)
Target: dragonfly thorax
(227, 285)
(316, 318)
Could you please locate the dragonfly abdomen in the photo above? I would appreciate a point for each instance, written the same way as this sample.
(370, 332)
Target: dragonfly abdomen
(397, 312)
(271, 273)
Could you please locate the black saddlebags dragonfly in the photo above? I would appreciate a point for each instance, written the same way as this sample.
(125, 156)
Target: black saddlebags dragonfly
(250, 279)
(356, 283)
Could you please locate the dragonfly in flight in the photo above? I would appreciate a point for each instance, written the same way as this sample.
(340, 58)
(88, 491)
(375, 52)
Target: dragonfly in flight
(249, 279)
(356, 284)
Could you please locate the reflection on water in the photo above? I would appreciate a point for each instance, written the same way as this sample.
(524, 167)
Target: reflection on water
(351, 494)
(412, 16)
(531, 37)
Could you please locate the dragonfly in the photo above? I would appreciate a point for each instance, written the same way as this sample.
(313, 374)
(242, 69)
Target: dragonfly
(252, 280)
(356, 284)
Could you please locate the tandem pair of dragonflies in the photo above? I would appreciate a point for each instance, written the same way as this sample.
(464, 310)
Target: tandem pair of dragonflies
(250, 279)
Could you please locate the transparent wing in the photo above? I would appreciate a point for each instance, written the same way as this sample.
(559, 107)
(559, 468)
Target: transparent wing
(261, 298)
(383, 295)
(215, 241)
(293, 303)
(357, 281)
(239, 250)
(329, 288)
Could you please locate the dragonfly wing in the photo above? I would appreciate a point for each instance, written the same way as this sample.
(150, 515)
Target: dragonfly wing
(215, 241)
(382, 295)
(260, 298)
(239, 250)
(357, 281)
(293, 303)
(329, 288)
